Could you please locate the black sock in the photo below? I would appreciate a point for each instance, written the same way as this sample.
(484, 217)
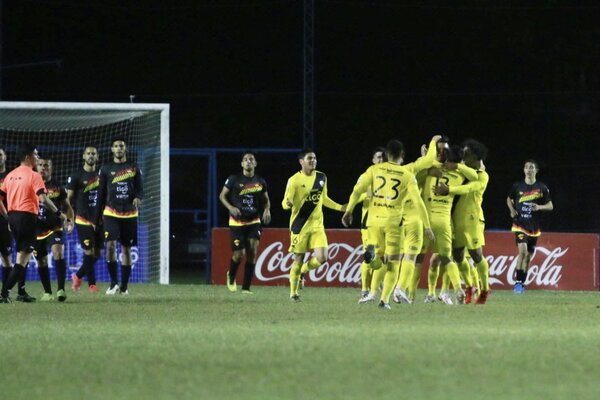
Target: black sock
(233, 267)
(82, 271)
(21, 284)
(90, 270)
(61, 273)
(44, 274)
(112, 271)
(5, 274)
(521, 276)
(125, 272)
(14, 277)
(248, 275)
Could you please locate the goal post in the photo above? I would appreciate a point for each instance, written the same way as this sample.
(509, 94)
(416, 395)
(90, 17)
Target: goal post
(61, 130)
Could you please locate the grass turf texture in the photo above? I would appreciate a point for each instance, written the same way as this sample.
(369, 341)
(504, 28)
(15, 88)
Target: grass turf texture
(202, 342)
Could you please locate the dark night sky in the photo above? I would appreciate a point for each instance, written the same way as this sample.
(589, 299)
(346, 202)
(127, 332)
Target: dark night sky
(523, 77)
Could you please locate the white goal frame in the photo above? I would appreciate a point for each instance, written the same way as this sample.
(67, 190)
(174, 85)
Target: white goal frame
(164, 156)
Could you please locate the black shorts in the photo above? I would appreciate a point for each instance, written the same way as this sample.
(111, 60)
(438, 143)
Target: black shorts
(23, 228)
(122, 229)
(5, 238)
(524, 238)
(239, 235)
(90, 238)
(42, 245)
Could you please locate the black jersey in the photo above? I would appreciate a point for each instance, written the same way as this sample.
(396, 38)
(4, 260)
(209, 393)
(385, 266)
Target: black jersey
(246, 194)
(48, 220)
(2, 176)
(85, 186)
(523, 197)
(119, 185)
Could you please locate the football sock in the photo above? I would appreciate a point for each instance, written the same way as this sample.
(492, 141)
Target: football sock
(295, 277)
(407, 268)
(454, 275)
(475, 278)
(21, 283)
(432, 277)
(465, 272)
(61, 273)
(311, 264)
(521, 276)
(483, 269)
(125, 273)
(112, 271)
(248, 274)
(414, 282)
(390, 279)
(365, 276)
(44, 273)
(90, 270)
(445, 279)
(376, 279)
(5, 274)
(233, 267)
(18, 271)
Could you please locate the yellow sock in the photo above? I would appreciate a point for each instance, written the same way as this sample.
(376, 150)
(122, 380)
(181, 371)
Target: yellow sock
(414, 283)
(295, 277)
(483, 268)
(454, 275)
(445, 279)
(432, 277)
(475, 278)
(365, 276)
(376, 279)
(312, 263)
(407, 268)
(465, 272)
(390, 279)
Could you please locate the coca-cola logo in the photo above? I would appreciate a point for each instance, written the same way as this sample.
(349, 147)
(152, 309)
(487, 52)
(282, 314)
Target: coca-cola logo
(274, 263)
(343, 266)
(544, 271)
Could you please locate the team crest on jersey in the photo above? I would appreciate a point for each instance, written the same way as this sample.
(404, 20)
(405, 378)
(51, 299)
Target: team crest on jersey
(86, 242)
(236, 242)
(321, 182)
(112, 172)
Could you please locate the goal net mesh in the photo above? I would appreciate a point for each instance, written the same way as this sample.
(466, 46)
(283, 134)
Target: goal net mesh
(62, 134)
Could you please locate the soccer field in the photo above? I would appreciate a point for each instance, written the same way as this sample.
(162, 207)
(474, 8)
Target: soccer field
(201, 342)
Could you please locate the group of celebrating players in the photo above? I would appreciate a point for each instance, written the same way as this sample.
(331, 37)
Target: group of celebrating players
(36, 211)
(432, 204)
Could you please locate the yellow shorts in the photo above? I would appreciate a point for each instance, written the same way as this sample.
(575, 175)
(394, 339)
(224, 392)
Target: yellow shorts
(386, 239)
(306, 241)
(442, 229)
(412, 237)
(470, 234)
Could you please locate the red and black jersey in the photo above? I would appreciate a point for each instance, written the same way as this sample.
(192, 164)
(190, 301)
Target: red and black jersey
(47, 220)
(119, 185)
(85, 186)
(246, 194)
(523, 197)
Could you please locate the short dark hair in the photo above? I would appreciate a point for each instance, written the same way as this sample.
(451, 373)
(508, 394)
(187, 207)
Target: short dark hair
(24, 150)
(534, 162)
(454, 154)
(244, 153)
(304, 152)
(118, 139)
(394, 148)
(479, 149)
(377, 150)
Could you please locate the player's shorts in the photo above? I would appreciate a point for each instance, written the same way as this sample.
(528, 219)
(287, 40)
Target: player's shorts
(122, 229)
(239, 235)
(23, 228)
(5, 238)
(309, 240)
(469, 235)
(44, 242)
(412, 237)
(386, 239)
(442, 230)
(531, 241)
(90, 238)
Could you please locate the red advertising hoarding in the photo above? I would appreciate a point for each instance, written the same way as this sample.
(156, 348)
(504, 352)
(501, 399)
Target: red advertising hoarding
(562, 261)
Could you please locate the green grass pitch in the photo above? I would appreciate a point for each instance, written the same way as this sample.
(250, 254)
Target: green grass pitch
(201, 342)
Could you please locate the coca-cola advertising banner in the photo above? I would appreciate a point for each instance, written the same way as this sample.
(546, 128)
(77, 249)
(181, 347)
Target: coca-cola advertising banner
(562, 261)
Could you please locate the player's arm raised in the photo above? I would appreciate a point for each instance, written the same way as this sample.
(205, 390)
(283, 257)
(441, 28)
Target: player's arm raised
(361, 187)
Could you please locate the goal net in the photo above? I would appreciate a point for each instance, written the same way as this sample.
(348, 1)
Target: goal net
(60, 131)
